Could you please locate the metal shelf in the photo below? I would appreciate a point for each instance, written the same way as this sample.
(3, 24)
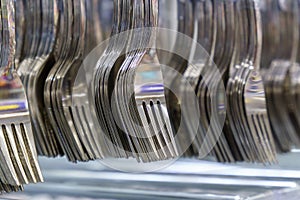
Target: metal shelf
(186, 178)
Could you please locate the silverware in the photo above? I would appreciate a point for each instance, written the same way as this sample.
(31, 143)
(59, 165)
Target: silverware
(79, 106)
(247, 113)
(20, 163)
(33, 68)
(101, 87)
(275, 78)
(66, 46)
(145, 119)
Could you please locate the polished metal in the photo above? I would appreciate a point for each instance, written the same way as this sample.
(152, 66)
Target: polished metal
(120, 107)
(19, 163)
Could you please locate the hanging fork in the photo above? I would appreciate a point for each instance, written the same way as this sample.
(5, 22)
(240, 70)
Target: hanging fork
(17, 143)
(254, 95)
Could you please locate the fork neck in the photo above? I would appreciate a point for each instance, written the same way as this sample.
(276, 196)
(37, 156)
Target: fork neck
(8, 36)
(82, 30)
(241, 35)
(257, 25)
(144, 20)
(254, 46)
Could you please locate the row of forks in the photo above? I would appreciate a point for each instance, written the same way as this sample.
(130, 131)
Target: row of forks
(239, 37)
(239, 69)
(96, 116)
(58, 37)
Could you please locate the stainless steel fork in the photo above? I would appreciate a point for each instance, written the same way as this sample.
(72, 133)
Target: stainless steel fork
(254, 95)
(140, 103)
(247, 112)
(18, 152)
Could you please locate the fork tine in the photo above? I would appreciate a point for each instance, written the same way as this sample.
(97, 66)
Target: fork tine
(266, 141)
(6, 162)
(11, 143)
(79, 126)
(142, 111)
(10, 188)
(24, 150)
(259, 140)
(265, 124)
(167, 129)
(98, 137)
(148, 135)
(158, 130)
(161, 128)
(91, 142)
(23, 154)
(31, 152)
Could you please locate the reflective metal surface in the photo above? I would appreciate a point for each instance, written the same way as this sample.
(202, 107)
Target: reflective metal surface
(18, 153)
(185, 179)
(223, 84)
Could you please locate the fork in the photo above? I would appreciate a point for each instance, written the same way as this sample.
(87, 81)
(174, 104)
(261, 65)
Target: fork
(293, 80)
(100, 87)
(85, 121)
(154, 139)
(124, 116)
(82, 107)
(254, 94)
(32, 68)
(277, 76)
(47, 144)
(274, 72)
(70, 144)
(235, 126)
(208, 87)
(21, 165)
(77, 116)
(185, 17)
